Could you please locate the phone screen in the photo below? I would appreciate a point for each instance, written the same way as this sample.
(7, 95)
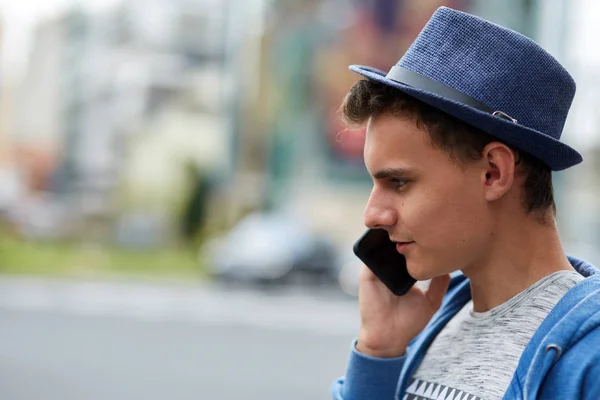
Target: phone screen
(379, 254)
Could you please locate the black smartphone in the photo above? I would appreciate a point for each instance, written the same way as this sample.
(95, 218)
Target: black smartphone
(378, 252)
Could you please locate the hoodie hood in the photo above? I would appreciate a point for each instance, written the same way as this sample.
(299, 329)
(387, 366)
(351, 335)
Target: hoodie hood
(574, 316)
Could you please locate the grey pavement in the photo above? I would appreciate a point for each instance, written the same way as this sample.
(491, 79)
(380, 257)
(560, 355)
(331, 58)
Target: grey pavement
(91, 341)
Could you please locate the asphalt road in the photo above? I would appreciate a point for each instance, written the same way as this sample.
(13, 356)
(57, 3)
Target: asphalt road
(92, 341)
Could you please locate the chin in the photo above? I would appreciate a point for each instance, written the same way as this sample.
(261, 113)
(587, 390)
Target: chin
(419, 272)
(424, 271)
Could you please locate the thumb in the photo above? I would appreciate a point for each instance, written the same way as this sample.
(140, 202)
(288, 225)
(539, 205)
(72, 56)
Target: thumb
(437, 289)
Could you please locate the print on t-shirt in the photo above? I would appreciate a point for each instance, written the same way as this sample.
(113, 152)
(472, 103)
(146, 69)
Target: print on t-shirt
(421, 390)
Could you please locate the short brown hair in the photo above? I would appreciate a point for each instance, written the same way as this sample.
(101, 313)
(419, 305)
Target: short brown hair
(463, 142)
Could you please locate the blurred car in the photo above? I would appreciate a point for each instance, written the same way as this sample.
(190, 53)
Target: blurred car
(271, 248)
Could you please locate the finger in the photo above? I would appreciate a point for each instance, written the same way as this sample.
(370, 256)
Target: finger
(437, 289)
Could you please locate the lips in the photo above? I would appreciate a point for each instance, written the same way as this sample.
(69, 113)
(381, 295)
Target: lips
(402, 246)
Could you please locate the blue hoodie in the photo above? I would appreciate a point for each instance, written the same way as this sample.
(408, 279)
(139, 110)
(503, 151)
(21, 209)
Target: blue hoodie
(561, 361)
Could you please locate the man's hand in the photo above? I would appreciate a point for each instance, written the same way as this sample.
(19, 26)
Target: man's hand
(390, 322)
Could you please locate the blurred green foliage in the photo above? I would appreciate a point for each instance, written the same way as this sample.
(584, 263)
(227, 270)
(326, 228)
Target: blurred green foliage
(77, 260)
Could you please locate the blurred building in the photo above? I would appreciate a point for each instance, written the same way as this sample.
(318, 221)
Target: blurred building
(11, 180)
(124, 99)
(37, 123)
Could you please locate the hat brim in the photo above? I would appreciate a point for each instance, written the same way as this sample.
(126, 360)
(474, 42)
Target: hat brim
(557, 155)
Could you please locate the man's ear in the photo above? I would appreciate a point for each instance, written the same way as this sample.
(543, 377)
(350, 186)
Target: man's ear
(499, 170)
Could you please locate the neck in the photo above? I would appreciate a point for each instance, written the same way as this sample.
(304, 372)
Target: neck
(522, 253)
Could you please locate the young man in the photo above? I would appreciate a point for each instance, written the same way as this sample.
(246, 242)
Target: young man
(462, 136)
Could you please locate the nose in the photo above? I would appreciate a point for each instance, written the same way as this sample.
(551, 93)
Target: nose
(378, 214)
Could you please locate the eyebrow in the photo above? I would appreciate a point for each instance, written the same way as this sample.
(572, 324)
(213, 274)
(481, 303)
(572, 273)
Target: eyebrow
(392, 172)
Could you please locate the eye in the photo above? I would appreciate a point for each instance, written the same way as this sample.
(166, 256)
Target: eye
(398, 183)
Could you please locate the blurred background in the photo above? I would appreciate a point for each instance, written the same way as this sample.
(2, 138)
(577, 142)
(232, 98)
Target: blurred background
(178, 199)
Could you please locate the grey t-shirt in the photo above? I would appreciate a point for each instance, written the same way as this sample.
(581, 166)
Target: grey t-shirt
(476, 354)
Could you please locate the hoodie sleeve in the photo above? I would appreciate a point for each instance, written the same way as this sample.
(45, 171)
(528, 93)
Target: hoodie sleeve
(368, 377)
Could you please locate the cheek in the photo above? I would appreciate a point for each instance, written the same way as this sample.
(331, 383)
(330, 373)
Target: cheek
(448, 238)
(443, 221)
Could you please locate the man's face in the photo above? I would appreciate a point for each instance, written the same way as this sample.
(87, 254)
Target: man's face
(424, 199)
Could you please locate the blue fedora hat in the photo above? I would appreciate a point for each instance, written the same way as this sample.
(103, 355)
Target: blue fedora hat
(490, 77)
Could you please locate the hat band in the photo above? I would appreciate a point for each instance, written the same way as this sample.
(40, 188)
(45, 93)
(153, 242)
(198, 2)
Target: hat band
(418, 81)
